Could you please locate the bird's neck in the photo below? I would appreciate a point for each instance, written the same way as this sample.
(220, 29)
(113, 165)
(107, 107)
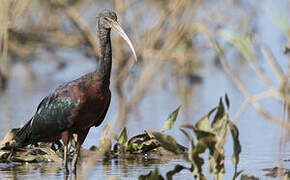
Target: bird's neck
(103, 71)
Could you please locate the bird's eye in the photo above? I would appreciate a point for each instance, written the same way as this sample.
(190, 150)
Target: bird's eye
(107, 18)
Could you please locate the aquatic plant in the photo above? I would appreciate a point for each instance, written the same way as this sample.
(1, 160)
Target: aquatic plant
(208, 136)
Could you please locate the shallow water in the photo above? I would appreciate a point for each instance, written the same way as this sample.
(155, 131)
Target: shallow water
(259, 137)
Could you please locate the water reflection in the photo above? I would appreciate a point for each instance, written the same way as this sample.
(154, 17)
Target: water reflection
(29, 170)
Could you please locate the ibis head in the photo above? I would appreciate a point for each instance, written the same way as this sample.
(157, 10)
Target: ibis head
(108, 20)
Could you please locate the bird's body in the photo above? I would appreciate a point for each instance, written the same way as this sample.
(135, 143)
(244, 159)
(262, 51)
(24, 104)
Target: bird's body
(74, 107)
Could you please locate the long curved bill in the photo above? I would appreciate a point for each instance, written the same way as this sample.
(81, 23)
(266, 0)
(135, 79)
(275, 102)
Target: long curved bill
(118, 28)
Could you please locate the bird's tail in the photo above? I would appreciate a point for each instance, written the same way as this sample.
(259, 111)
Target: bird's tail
(23, 135)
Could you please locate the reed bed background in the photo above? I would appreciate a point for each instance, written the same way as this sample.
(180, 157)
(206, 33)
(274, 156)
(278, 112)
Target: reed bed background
(172, 32)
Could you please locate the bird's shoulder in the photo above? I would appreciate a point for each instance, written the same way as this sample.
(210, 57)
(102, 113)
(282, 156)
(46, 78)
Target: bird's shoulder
(57, 102)
(66, 95)
(75, 89)
(78, 91)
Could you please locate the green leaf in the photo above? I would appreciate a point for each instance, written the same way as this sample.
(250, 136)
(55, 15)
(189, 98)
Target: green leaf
(248, 177)
(4, 155)
(219, 115)
(176, 170)
(281, 20)
(193, 155)
(133, 147)
(204, 138)
(243, 44)
(148, 145)
(123, 138)
(227, 101)
(209, 140)
(200, 134)
(197, 161)
(191, 149)
(236, 175)
(203, 123)
(170, 120)
(237, 146)
(219, 124)
(199, 149)
(167, 142)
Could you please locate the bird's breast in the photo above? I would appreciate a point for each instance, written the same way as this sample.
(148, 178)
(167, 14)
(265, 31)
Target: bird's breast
(91, 110)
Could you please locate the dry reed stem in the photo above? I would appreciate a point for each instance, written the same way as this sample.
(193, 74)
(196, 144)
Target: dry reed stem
(242, 87)
(261, 74)
(274, 65)
(5, 111)
(85, 31)
(257, 97)
(19, 7)
(4, 19)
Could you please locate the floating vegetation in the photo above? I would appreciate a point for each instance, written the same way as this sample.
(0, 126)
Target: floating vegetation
(248, 177)
(43, 152)
(150, 142)
(277, 171)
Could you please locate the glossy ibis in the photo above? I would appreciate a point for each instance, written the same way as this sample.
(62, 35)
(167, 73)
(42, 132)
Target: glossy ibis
(76, 106)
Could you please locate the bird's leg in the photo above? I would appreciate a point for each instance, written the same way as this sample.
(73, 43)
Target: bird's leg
(65, 158)
(79, 139)
(76, 153)
(65, 136)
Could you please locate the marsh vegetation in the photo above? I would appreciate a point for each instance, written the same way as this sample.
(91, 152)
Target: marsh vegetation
(190, 54)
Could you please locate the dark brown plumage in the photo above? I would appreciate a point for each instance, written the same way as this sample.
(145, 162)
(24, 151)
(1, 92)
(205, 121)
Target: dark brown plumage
(75, 107)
